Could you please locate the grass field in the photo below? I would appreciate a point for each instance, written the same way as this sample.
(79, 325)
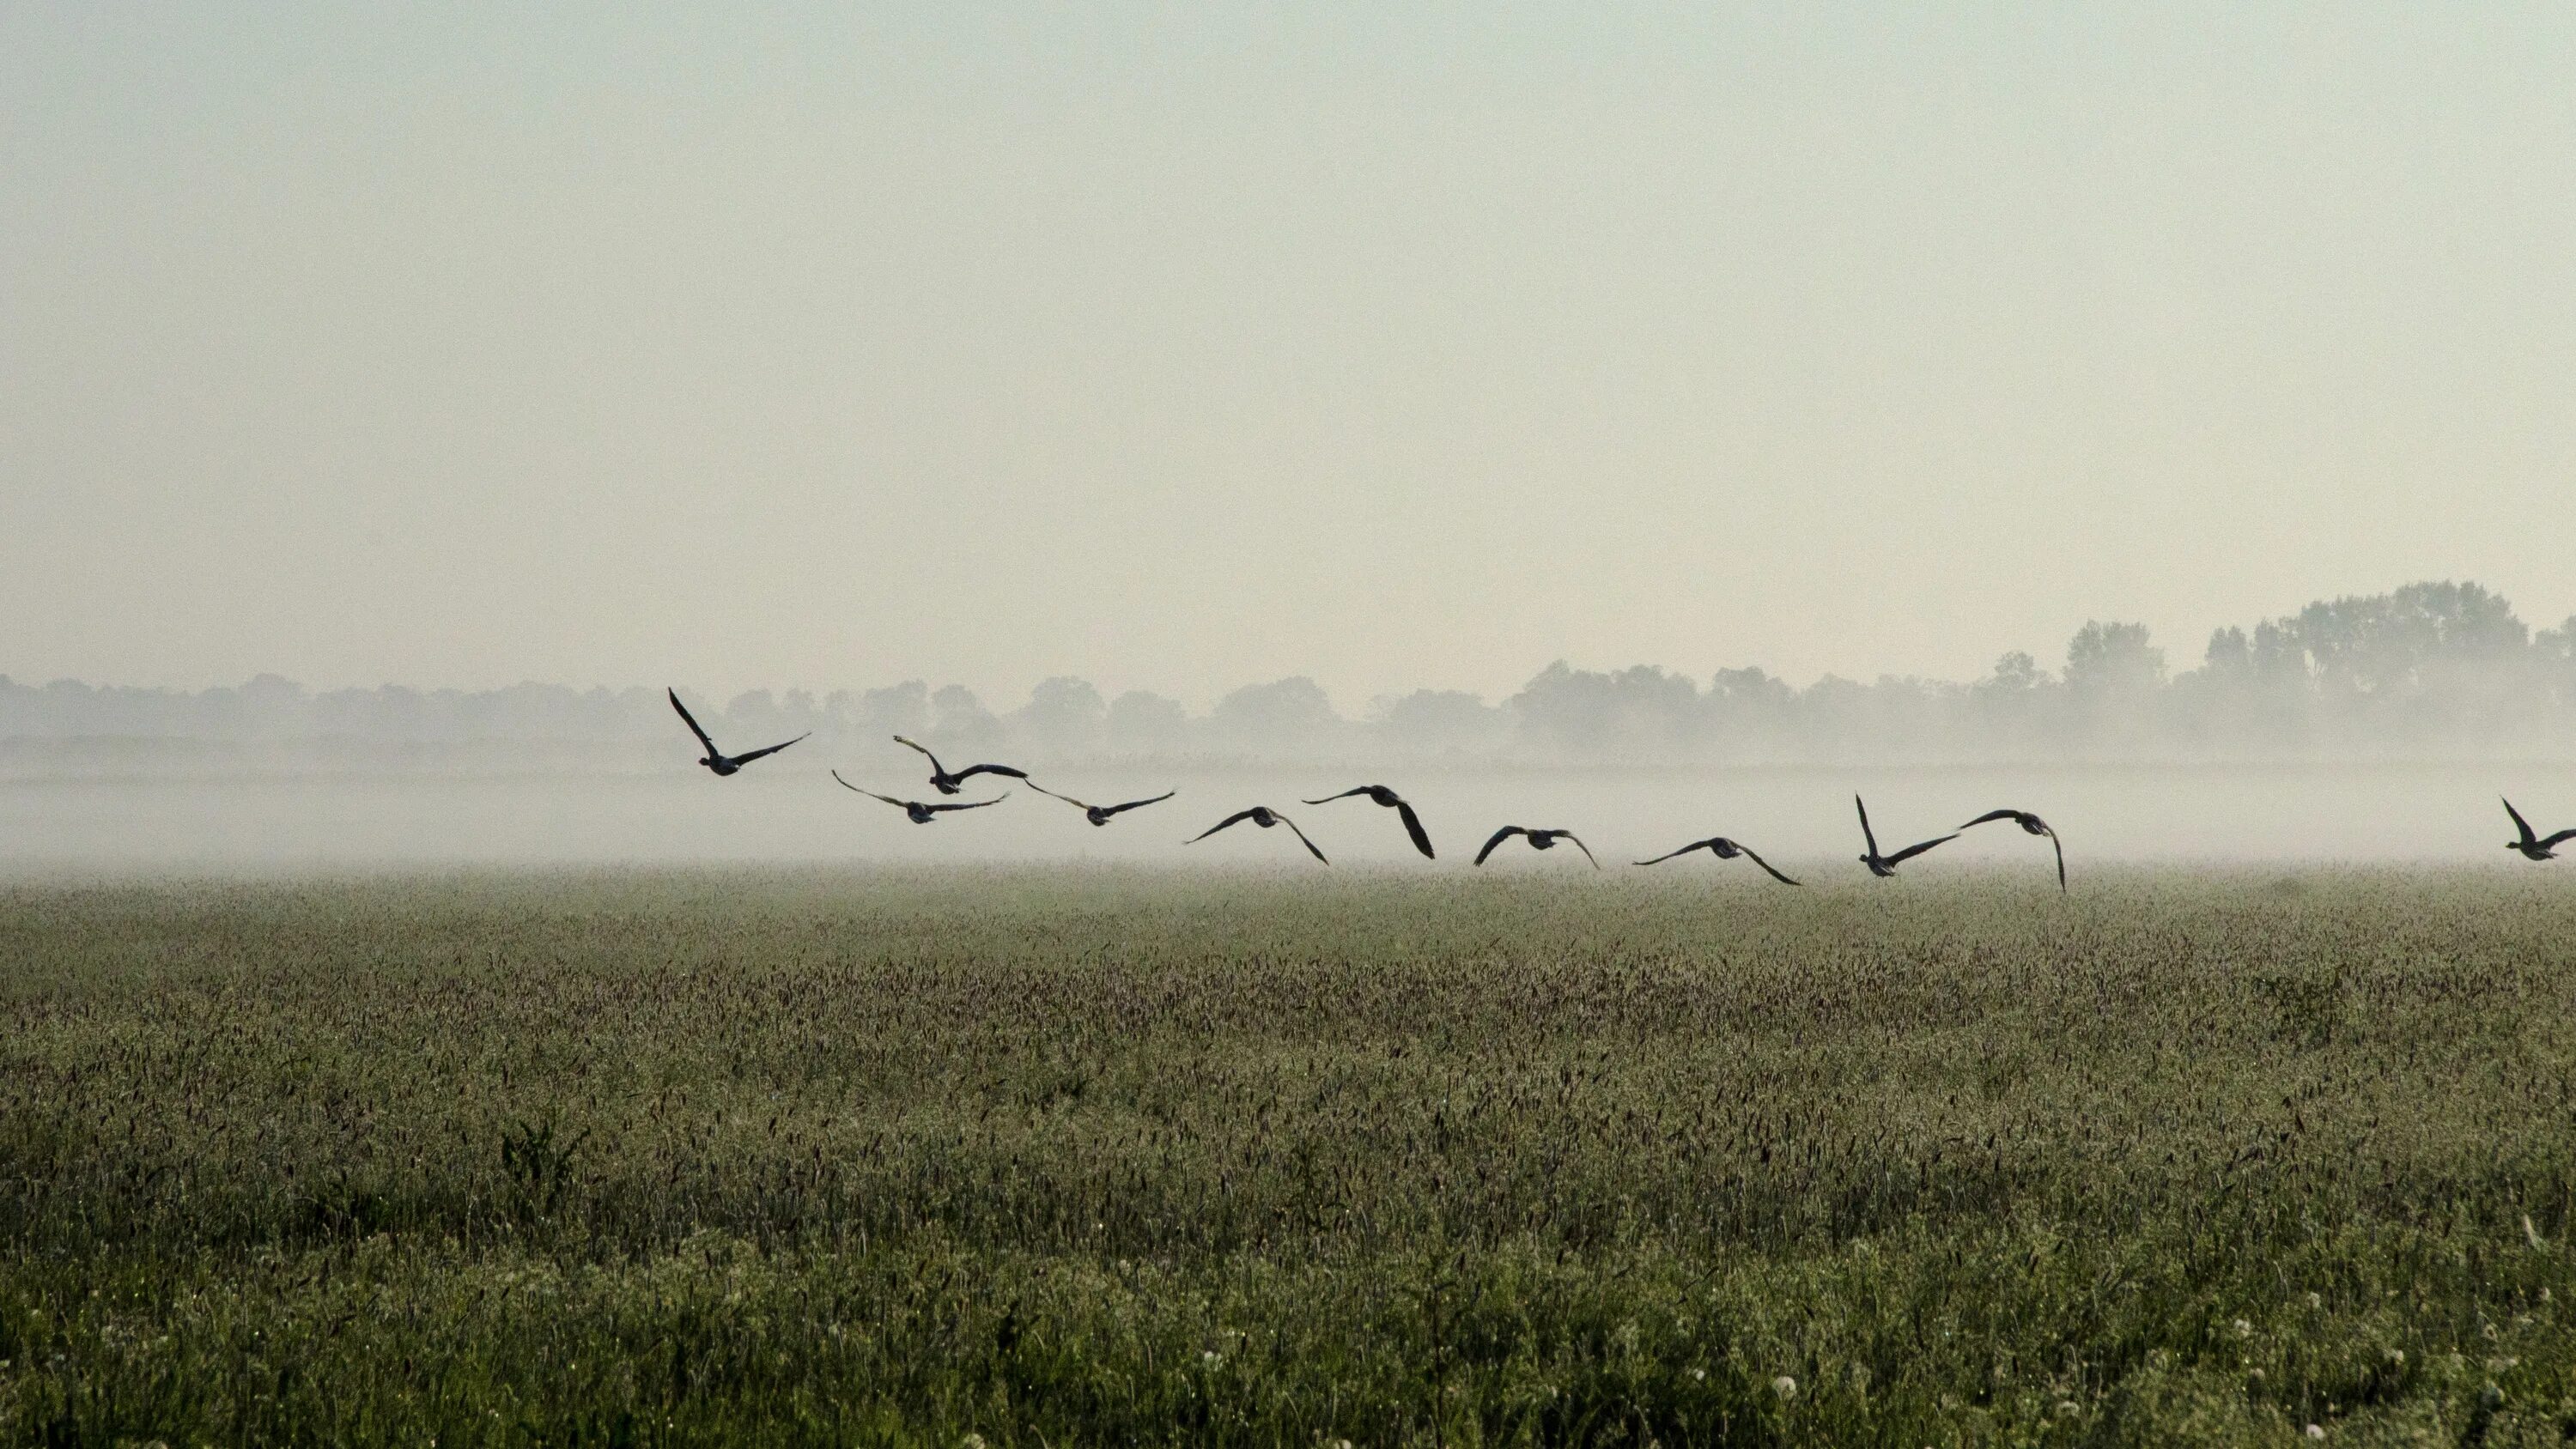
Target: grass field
(1094, 1157)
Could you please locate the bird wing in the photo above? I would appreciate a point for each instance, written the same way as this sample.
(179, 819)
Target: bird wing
(972, 804)
(871, 794)
(1990, 817)
(2552, 842)
(1911, 851)
(2518, 822)
(1506, 833)
(1413, 827)
(1069, 800)
(771, 750)
(2060, 847)
(692, 721)
(1766, 865)
(1236, 818)
(1132, 804)
(1579, 845)
(934, 759)
(1865, 832)
(1346, 794)
(1669, 854)
(1301, 835)
(1015, 774)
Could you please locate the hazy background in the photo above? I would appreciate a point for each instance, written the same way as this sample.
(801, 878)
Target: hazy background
(1180, 349)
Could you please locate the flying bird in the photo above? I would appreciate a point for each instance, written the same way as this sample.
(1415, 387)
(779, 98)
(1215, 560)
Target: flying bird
(1723, 849)
(717, 760)
(948, 784)
(919, 813)
(1885, 865)
(1265, 817)
(1538, 839)
(2033, 825)
(1388, 798)
(2531, 846)
(1100, 814)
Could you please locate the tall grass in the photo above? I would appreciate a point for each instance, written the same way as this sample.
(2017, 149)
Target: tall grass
(1060, 1157)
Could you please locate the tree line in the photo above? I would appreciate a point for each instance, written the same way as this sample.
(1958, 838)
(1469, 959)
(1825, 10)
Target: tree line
(2431, 669)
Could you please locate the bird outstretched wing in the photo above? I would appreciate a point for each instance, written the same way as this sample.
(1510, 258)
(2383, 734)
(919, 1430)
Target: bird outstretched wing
(871, 794)
(1134, 804)
(1669, 854)
(1013, 773)
(770, 750)
(2060, 847)
(1911, 851)
(1579, 845)
(1766, 865)
(1865, 832)
(692, 722)
(1236, 818)
(1413, 827)
(2518, 822)
(1344, 795)
(935, 767)
(2552, 842)
(971, 804)
(1499, 836)
(1301, 835)
(1992, 816)
(1050, 794)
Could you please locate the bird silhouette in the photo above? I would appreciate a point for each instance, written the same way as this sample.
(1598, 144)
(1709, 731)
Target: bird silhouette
(2534, 847)
(2033, 825)
(1265, 817)
(1885, 865)
(1388, 798)
(1538, 839)
(916, 811)
(947, 784)
(1100, 814)
(1723, 849)
(717, 760)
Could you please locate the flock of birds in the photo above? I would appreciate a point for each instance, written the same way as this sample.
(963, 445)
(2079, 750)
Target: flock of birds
(1881, 863)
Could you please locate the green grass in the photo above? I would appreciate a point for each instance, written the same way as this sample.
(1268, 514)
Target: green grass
(1097, 1157)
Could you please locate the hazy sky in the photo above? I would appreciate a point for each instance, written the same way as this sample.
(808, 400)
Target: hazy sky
(1181, 345)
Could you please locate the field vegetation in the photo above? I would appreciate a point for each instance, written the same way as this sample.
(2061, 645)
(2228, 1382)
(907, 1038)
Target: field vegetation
(1070, 1157)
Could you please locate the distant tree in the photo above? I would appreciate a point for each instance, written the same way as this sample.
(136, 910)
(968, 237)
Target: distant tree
(1065, 716)
(1439, 722)
(1641, 708)
(1285, 716)
(960, 720)
(1144, 724)
(2106, 661)
(900, 709)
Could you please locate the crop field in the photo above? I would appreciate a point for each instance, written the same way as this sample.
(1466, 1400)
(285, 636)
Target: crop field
(1054, 1156)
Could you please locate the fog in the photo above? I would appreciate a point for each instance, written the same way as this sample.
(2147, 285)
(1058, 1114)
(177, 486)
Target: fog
(788, 810)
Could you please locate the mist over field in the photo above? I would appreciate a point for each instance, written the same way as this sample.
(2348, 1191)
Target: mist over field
(2366, 728)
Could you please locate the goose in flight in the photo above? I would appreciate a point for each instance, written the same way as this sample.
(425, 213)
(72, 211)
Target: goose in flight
(1265, 817)
(1100, 814)
(948, 784)
(1885, 865)
(1723, 849)
(1538, 839)
(2534, 847)
(717, 760)
(2032, 825)
(917, 812)
(1388, 798)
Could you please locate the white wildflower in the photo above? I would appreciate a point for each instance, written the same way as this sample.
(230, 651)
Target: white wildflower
(2316, 1431)
(2244, 1329)
(2397, 1356)
(1699, 1376)
(1785, 1386)
(1210, 1358)
(2067, 1409)
(2316, 1300)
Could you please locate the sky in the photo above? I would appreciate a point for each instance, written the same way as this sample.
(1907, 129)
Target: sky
(1187, 346)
